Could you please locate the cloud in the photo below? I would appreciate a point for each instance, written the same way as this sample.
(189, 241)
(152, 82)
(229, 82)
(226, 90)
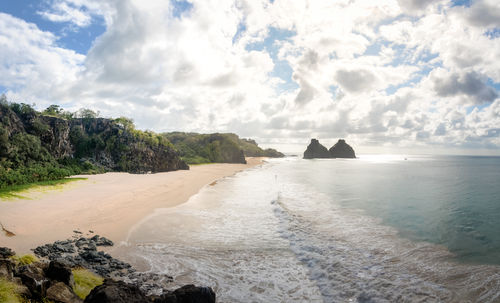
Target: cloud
(76, 12)
(385, 72)
(31, 63)
(355, 81)
(484, 13)
(469, 84)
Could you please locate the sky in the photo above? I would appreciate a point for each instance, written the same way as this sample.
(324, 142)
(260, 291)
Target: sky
(395, 76)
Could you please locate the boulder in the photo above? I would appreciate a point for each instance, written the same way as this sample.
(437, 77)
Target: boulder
(316, 150)
(60, 272)
(33, 278)
(6, 252)
(194, 294)
(187, 294)
(6, 269)
(116, 292)
(342, 150)
(62, 293)
(101, 241)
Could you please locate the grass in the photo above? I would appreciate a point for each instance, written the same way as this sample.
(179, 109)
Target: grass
(24, 260)
(14, 192)
(8, 292)
(85, 281)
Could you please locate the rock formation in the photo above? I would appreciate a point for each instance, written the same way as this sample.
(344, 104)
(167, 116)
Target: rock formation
(51, 279)
(316, 150)
(342, 150)
(109, 144)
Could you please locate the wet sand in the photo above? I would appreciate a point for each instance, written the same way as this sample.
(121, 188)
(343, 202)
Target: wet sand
(107, 204)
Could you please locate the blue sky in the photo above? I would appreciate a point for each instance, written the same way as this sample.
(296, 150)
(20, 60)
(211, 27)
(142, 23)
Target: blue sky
(385, 75)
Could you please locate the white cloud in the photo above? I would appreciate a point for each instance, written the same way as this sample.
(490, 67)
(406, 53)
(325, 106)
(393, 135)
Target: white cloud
(377, 72)
(77, 12)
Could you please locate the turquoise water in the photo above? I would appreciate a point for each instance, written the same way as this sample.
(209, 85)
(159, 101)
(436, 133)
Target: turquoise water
(373, 229)
(448, 200)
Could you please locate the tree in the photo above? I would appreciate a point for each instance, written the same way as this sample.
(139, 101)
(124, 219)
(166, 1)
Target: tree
(53, 110)
(86, 113)
(125, 122)
(3, 100)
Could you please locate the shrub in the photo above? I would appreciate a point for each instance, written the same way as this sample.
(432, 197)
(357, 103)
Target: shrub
(25, 259)
(85, 281)
(8, 292)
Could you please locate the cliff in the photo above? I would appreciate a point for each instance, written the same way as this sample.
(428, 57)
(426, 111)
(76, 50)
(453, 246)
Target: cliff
(252, 149)
(316, 150)
(35, 146)
(217, 148)
(340, 150)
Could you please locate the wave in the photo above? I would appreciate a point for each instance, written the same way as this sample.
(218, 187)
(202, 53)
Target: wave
(354, 258)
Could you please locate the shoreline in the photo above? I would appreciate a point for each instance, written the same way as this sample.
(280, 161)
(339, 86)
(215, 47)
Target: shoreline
(107, 204)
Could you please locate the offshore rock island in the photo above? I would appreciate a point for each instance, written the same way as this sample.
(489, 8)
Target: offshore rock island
(340, 150)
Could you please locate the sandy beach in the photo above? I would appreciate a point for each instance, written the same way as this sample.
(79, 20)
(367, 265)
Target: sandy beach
(107, 204)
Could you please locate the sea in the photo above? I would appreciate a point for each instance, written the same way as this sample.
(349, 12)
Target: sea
(380, 228)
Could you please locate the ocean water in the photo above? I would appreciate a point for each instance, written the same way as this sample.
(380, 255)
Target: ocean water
(373, 229)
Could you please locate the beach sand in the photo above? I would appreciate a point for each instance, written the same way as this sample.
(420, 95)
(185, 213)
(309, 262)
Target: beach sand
(107, 204)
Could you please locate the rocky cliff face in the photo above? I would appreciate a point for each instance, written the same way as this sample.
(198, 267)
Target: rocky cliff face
(105, 143)
(342, 150)
(252, 149)
(316, 150)
(114, 146)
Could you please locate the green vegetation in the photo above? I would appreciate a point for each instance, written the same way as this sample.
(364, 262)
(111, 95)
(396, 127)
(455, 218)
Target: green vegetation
(251, 149)
(8, 292)
(25, 259)
(54, 144)
(26, 147)
(85, 281)
(207, 148)
(216, 148)
(14, 191)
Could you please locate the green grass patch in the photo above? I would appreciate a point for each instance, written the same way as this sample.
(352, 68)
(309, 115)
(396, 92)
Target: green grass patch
(85, 281)
(196, 160)
(8, 292)
(25, 259)
(15, 191)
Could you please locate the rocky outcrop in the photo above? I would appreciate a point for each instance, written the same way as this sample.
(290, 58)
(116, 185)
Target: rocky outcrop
(342, 150)
(316, 150)
(207, 148)
(252, 149)
(53, 280)
(107, 144)
(119, 292)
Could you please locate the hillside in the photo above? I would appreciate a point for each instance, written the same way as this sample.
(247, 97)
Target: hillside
(38, 146)
(197, 148)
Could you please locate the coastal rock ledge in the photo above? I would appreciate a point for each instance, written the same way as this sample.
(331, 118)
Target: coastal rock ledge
(340, 150)
(52, 278)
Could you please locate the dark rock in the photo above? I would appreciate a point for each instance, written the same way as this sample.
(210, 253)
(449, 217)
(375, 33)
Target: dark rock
(62, 293)
(33, 278)
(60, 272)
(342, 150)
(6, 269)
(116, 292)
(101, 241)
(194, 294)
(316, 150)
(6, 252)
(187, 294)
